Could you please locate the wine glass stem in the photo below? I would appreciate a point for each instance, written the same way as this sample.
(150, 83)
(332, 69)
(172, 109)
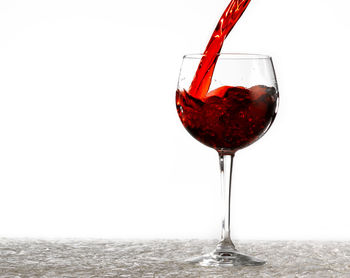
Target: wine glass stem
(226, 162)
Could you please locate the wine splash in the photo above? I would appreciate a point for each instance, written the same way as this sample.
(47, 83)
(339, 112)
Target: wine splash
(202, 80)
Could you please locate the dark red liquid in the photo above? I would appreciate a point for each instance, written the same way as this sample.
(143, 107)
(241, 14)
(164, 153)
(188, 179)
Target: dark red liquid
(230, 118)
(227, 118)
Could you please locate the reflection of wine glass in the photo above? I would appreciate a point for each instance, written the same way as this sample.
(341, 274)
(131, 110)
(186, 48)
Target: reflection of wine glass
(239, 108)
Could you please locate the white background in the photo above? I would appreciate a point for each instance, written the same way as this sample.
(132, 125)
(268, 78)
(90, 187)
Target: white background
(91, 145)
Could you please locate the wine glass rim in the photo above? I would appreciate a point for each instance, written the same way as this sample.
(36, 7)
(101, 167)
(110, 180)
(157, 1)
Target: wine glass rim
(230, 56)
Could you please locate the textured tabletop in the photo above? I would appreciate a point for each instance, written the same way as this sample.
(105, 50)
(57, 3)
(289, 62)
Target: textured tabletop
(165, 258)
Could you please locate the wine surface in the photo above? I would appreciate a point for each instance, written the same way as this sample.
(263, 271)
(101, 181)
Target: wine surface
(230, 118)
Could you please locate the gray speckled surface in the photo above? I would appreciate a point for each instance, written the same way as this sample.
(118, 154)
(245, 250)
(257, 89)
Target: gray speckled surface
(165, 258)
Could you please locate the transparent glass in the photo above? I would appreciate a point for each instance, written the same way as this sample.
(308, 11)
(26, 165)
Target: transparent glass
(238, 110)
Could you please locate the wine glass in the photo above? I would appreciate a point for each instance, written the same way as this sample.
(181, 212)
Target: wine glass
(238, 109)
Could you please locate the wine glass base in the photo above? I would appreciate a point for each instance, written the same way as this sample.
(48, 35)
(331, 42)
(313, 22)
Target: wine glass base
(226, 258)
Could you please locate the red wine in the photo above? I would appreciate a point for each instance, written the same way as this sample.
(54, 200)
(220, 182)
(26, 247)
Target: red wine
(229, 118)
(202, 80)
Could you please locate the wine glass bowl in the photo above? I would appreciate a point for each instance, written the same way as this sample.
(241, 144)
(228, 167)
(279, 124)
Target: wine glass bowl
(240, 106)
(237, 110)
